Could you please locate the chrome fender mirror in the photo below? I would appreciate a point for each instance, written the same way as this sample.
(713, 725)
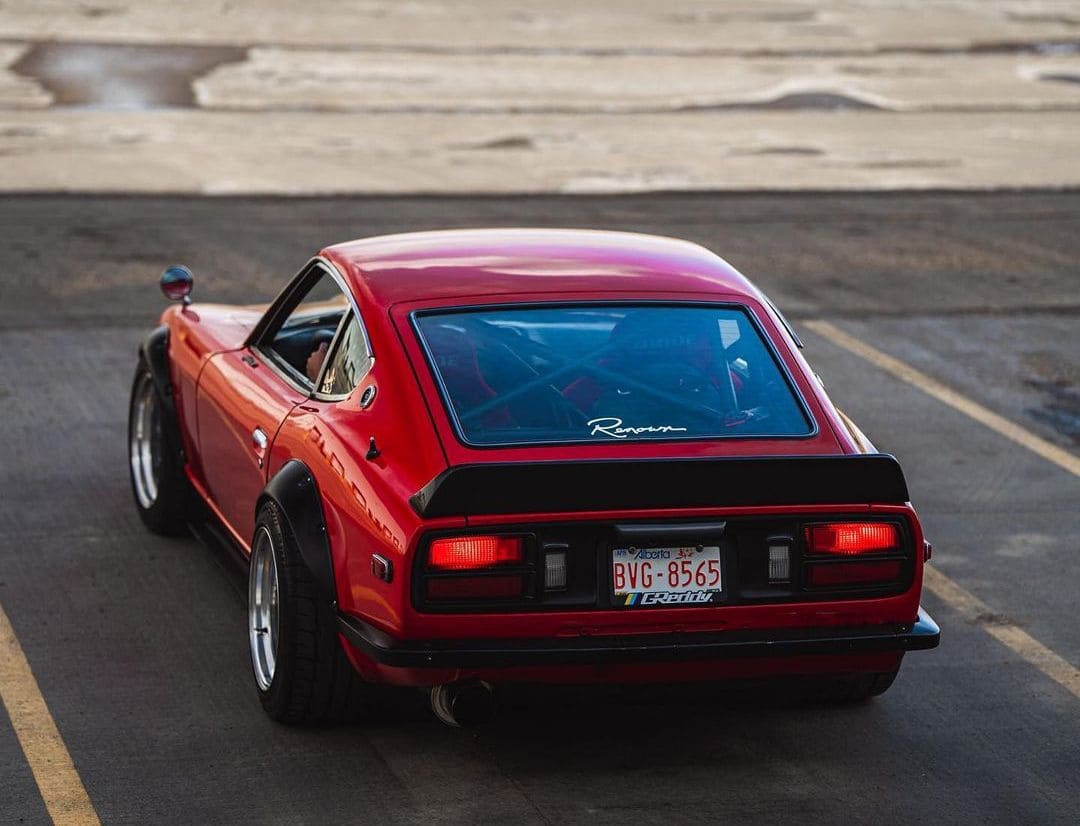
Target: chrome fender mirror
(176, 283)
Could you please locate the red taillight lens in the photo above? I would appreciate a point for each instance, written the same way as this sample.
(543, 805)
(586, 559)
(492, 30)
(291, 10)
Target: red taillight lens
(852, 573)
(475, 587)
(465, 553)
(850, 538)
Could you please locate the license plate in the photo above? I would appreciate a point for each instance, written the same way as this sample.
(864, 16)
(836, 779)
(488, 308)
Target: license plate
(666, 576)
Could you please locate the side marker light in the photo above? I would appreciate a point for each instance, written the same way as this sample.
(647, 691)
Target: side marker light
(382, 568)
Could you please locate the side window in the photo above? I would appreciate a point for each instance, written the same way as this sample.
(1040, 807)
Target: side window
(350, 361)
(302, 339)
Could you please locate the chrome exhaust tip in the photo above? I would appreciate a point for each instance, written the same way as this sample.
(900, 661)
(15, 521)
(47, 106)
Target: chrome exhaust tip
(464, 704)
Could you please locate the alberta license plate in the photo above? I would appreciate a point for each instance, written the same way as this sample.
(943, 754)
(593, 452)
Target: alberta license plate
(666, 576)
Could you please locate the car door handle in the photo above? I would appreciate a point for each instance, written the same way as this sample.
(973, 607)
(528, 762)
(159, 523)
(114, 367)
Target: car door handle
(258, 439)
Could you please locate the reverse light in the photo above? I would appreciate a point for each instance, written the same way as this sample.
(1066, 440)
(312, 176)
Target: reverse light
(779, 558)
(466, 553)
(555, 570)
(851, 538)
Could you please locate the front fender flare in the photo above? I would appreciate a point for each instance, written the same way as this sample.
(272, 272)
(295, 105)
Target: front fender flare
(296, 496)
(154, 353)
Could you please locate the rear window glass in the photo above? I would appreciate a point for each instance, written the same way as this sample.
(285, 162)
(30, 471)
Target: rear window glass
(520, 376)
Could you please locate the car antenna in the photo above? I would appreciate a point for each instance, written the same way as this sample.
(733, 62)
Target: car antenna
(373, 451)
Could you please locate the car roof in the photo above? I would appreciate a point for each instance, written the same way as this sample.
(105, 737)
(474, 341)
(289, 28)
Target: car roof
(450, 264)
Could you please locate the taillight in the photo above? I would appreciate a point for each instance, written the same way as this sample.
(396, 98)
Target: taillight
(851, 538)
(482, 568)
(853, 554)
(467, 553)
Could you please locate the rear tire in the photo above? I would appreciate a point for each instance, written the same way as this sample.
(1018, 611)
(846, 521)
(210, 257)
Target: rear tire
(301, 671)
(161, 490)
(855, 688)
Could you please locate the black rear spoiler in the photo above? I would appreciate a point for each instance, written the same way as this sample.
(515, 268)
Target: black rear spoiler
(548, 487)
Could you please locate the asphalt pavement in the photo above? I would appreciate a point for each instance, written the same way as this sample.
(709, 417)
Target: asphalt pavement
(138, 645)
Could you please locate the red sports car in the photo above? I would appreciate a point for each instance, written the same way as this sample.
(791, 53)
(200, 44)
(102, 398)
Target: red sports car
(457, 459)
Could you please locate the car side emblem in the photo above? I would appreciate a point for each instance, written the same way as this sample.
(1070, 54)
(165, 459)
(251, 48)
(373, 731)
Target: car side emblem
(367, 397)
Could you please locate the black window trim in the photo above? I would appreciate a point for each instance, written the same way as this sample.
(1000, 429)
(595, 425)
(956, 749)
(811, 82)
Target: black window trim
(330, 353)
(287, 301)
(770, 347)
(783, 320)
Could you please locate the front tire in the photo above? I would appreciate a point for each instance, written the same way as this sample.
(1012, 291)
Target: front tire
(301, 672)
(158, 483)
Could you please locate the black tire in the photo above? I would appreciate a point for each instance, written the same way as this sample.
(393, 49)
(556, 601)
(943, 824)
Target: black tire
(855, 688)
(164, 509)
(313, 680)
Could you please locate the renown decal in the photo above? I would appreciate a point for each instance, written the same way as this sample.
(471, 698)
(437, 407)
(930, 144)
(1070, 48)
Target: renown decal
(613, 427)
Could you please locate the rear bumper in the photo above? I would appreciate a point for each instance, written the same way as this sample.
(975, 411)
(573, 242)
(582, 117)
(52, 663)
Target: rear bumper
(510, 653)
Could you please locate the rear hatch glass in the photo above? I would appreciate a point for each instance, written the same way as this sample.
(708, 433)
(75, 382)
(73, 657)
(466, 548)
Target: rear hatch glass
(606, 373)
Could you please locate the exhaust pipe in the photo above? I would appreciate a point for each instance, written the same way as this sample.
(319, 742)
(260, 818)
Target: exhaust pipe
(464, 704)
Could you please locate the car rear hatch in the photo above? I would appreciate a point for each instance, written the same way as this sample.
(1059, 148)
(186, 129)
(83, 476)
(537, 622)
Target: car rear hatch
(556, 520)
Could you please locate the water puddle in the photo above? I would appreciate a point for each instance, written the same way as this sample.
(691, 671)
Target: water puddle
(122, 77)
(1060, 77)
(795, 101)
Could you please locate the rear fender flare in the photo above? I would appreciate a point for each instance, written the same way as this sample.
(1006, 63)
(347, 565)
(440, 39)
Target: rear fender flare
(296, 496)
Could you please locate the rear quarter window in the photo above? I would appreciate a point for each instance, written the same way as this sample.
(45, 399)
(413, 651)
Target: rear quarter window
(542, 375)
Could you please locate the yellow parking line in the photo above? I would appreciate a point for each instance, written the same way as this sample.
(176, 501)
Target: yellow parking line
(973, 609)
(61, 788)
(932, 387)
(969, 606)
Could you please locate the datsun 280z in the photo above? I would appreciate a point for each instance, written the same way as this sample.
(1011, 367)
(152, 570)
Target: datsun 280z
(454, 460)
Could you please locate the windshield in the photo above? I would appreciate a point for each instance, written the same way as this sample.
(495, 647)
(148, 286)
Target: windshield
(519, 376)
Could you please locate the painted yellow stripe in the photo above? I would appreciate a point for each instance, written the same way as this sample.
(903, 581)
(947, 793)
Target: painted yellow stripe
(932, 387)
(969, 606)
(61, 788)
(973, 609)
